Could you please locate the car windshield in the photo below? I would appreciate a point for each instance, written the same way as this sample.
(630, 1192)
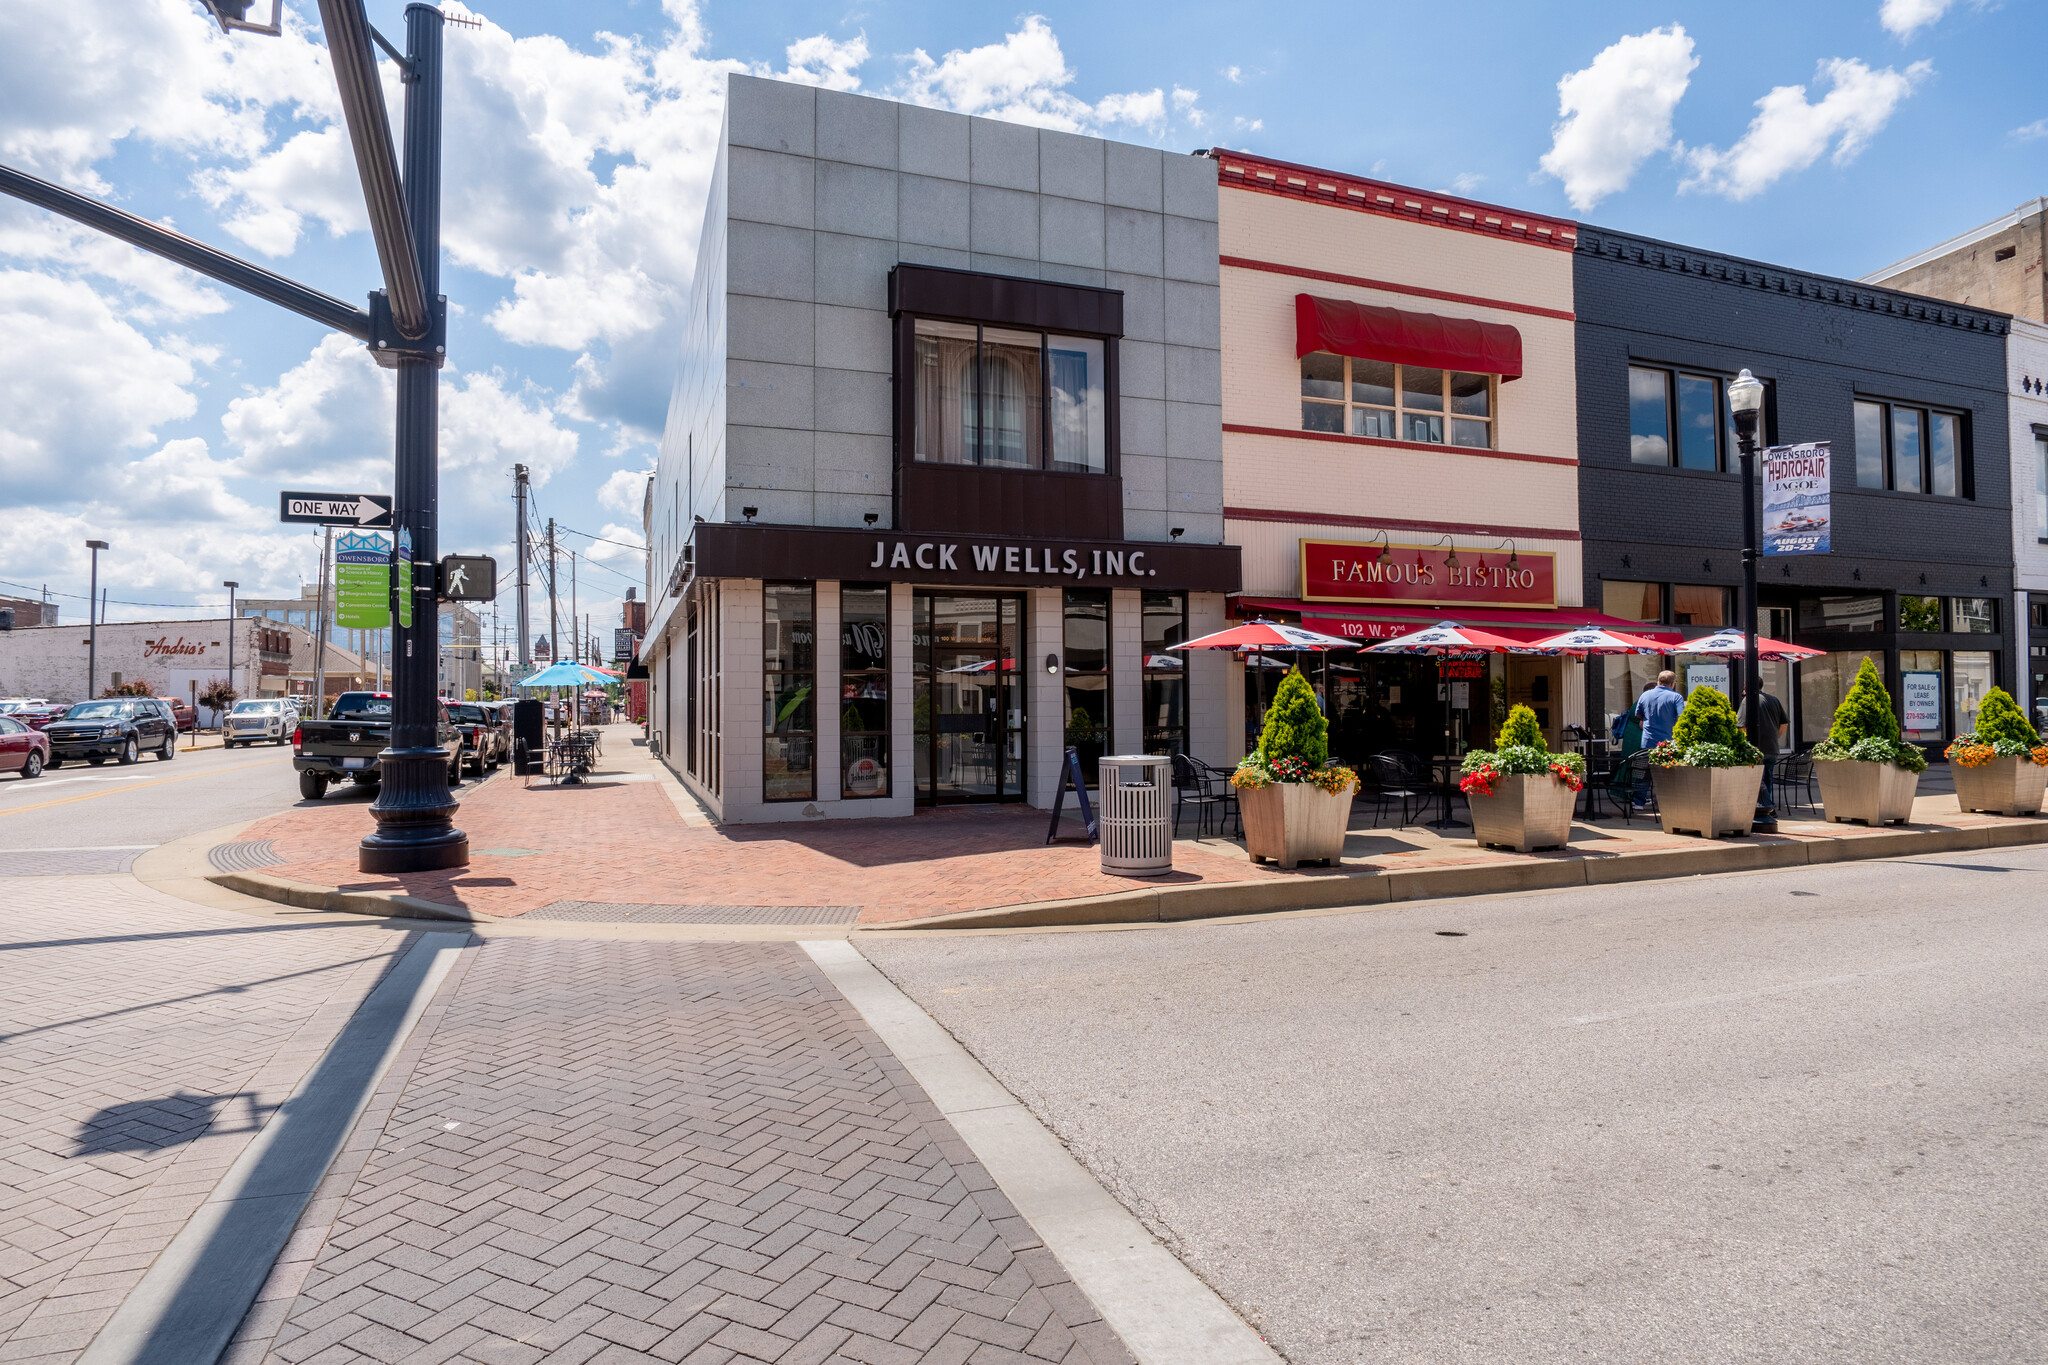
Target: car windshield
(256, 708)
(466, 715)
(362, 706)
(102, 710)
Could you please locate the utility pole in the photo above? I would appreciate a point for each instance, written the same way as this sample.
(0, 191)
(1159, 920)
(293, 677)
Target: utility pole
(230, 585)
(574, 620)
(92, 634)
(519, 534)
(320, 616)
(554, 619)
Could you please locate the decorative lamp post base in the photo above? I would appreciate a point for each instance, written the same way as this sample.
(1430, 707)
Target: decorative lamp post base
(415, 817)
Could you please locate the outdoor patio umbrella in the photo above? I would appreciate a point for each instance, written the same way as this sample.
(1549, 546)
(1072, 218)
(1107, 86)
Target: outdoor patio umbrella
(1593, 640)
(1447, 639)
(565, 675)
(1735, 642)
(1256, 637)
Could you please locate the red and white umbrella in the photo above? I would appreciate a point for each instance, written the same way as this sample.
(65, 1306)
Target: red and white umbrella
(1735, 642)
(1593, 640)
(1448, 637)
(1263, 635)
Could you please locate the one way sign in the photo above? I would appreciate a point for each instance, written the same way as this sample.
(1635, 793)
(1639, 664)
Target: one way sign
(368, 510)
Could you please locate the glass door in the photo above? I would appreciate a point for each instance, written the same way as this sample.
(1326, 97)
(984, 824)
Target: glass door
(969, 702)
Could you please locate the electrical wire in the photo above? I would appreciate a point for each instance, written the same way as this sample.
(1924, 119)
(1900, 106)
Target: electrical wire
(116, 601)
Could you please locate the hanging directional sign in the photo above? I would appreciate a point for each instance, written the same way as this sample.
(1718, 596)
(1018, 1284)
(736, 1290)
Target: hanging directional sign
(369, 510)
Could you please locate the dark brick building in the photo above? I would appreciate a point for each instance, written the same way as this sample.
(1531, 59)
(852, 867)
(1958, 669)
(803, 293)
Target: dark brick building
(1910, 392)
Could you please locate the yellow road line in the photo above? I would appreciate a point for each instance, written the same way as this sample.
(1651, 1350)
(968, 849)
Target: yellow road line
(131, 787)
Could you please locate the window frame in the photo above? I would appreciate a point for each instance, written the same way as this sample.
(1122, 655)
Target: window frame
(1888, 408)
(887, 674)
(1044, 462)
(1069, 598)
(1725, 451)
(1447, 414)
(768, 677)
(1146, 673)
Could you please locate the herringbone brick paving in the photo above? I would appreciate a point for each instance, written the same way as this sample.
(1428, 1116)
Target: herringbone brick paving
(647, 1151)
(143, 1042)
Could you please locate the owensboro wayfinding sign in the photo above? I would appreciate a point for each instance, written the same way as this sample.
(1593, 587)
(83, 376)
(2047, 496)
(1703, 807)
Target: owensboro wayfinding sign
(1423, 576)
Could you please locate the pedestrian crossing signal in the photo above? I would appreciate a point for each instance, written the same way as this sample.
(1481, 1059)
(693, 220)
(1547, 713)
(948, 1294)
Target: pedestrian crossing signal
(468, 578)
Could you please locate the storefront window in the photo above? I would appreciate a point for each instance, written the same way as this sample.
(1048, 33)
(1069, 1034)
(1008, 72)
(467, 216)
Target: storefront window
(1699, 604)
(1972, 674)
(1388, 402)
(1085, 646)
(1842, 613)
(1920, 693)
(1166, 684)
(1920, 614)
(1009, 398)
(1677, 418)
(789, 677)
(2041, 487)
(1632, 601)
(1973, 615)
(863, 692)
(1823, 682)
(1909, 449)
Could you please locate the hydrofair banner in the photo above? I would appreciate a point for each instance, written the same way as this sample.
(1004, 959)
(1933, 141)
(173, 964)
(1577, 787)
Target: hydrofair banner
(1796, 505)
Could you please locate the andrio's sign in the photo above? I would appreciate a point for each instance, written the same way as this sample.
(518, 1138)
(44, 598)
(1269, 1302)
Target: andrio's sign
(1420, 576)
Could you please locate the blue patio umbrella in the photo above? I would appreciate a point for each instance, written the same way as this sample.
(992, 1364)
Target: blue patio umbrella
(566, 675)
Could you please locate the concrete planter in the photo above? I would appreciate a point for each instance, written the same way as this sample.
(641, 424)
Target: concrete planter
(1709, 802)
(1527, 811)
(1293, 822)
(1872, 793)
(2007, 785)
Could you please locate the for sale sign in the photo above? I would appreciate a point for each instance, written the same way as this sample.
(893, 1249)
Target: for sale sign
(1796, 504)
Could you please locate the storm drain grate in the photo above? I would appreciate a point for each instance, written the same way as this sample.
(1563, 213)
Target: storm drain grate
(617, 912)
(65, 862)
(243, 857)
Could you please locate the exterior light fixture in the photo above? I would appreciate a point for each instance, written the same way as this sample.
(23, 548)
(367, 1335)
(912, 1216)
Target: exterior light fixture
(1176, 533)
(1451, 559)
(697, 517)
(1052, 664)
(1514, 555)
(234, 14)
(749, 512)
(870, 517)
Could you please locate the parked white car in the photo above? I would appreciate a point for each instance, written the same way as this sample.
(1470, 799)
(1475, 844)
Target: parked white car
(254, 721)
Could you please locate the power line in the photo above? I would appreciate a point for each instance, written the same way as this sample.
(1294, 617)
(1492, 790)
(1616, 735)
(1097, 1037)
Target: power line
(600, 539)
(84, 597)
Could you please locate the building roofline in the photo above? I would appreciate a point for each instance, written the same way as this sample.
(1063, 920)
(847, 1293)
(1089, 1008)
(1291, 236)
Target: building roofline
(1956, 243)
(1630, 248)
(1290, 180)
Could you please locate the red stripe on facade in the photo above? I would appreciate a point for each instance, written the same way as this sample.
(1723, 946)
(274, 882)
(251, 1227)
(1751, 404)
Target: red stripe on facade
(1388, 286)
(1453, 528)
(1395, 445)
(1315, 186)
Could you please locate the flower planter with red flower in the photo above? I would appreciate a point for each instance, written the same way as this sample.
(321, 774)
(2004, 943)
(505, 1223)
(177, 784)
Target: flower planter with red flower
(2001, 766)
(1295, 802)
(1707, 774)
(1520, 794)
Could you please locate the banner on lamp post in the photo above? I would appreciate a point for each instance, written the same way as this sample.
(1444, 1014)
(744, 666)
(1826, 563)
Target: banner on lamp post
(1797, 509)
(362, 582)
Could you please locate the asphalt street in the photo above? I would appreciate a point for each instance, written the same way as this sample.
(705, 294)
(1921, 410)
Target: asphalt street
(1782, 1116)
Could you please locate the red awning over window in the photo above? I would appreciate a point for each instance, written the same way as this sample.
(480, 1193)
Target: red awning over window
(1370, 332)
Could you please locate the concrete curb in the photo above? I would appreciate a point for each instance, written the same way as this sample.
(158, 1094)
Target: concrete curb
(1215, 900)
(307, 896)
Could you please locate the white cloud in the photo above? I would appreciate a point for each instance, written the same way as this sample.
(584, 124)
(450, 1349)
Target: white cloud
(1248, 125)
(79, 385)
(1234, 74)
(1023, 79)
(624, 493)
(1789, 133)
(2031, 132)
(1616, 113)
(818, 60)
(1904, 18)
(1185, 107)
(180, 482)
(1467, 182)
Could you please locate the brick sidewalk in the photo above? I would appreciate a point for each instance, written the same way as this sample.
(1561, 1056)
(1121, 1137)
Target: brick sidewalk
(143, 1043)
(615, 1152)
(620, 841)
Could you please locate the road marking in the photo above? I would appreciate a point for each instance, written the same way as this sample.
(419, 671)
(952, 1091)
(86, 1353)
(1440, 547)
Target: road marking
(159, 782)
(82, 848)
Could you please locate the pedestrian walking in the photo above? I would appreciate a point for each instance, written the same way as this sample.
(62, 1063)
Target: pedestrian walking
(1774, 718)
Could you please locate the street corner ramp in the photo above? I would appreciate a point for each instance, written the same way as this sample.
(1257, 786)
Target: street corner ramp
(623, 912)
(246, 855)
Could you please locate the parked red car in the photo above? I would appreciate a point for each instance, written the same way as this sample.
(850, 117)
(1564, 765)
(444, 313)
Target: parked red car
(188, 718)
(36, 717)
(22, 750)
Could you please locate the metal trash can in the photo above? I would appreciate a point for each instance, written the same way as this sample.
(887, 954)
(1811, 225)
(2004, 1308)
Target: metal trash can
(1137, 835)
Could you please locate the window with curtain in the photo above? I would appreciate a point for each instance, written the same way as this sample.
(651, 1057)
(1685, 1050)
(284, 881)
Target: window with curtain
(1632, 601)
(1909, 449)
(1699, 604)
(1009, 398)
(789, 680)
(1388, 402)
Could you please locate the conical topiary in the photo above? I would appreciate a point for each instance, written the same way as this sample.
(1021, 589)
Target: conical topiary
(1709, 719)
(1295, 727)
(1866, 713)
(1522, 729)
(1999, 718)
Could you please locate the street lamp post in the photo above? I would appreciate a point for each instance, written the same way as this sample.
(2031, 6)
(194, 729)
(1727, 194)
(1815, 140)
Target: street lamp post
(230, 584)
(92, 634)
(1746, 406)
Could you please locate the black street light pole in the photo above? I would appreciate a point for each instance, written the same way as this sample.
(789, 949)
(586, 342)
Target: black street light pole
(230, 584)
(1746, 406)
(92, 621)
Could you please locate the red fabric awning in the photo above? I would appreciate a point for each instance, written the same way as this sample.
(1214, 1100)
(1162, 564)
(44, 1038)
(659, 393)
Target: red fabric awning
(1371, 332)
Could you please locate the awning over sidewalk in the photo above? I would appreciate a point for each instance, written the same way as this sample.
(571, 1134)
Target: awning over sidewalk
(1527, 624)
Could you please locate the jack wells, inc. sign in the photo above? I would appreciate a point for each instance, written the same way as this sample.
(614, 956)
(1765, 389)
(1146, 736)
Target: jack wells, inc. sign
(1027, 560)
(1424, 576)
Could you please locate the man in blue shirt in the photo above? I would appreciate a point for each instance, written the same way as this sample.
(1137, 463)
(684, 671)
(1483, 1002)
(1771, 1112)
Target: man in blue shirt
(1657, 712)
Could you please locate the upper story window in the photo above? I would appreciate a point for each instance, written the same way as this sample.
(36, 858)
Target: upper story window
(1009, 398)
(1390, 402)
(1909, 449)
(1678, 418)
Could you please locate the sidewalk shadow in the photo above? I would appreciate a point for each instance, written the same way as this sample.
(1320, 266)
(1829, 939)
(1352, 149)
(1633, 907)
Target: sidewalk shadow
(141, 1127)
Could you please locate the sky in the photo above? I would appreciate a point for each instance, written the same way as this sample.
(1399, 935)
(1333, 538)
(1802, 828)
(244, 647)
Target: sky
(144, 406)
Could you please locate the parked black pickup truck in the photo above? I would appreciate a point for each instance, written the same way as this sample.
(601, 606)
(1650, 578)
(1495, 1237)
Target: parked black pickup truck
(346, 744)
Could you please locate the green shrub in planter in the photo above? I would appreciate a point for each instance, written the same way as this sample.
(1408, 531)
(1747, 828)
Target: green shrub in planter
(1866, 730)
(1295, 745)
(2002, 725)
(1707, 735)
(1519, 749)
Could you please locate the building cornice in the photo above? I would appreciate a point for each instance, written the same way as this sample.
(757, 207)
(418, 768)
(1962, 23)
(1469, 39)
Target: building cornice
(1628, 249)
(2031, 209)
(1263, 175)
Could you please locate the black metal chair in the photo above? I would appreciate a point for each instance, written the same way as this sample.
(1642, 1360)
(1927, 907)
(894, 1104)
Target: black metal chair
(1794, 773)
(1636, 773)
(1219, 786)
(1192, 787)
(1394, 780)
(1599, 779)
